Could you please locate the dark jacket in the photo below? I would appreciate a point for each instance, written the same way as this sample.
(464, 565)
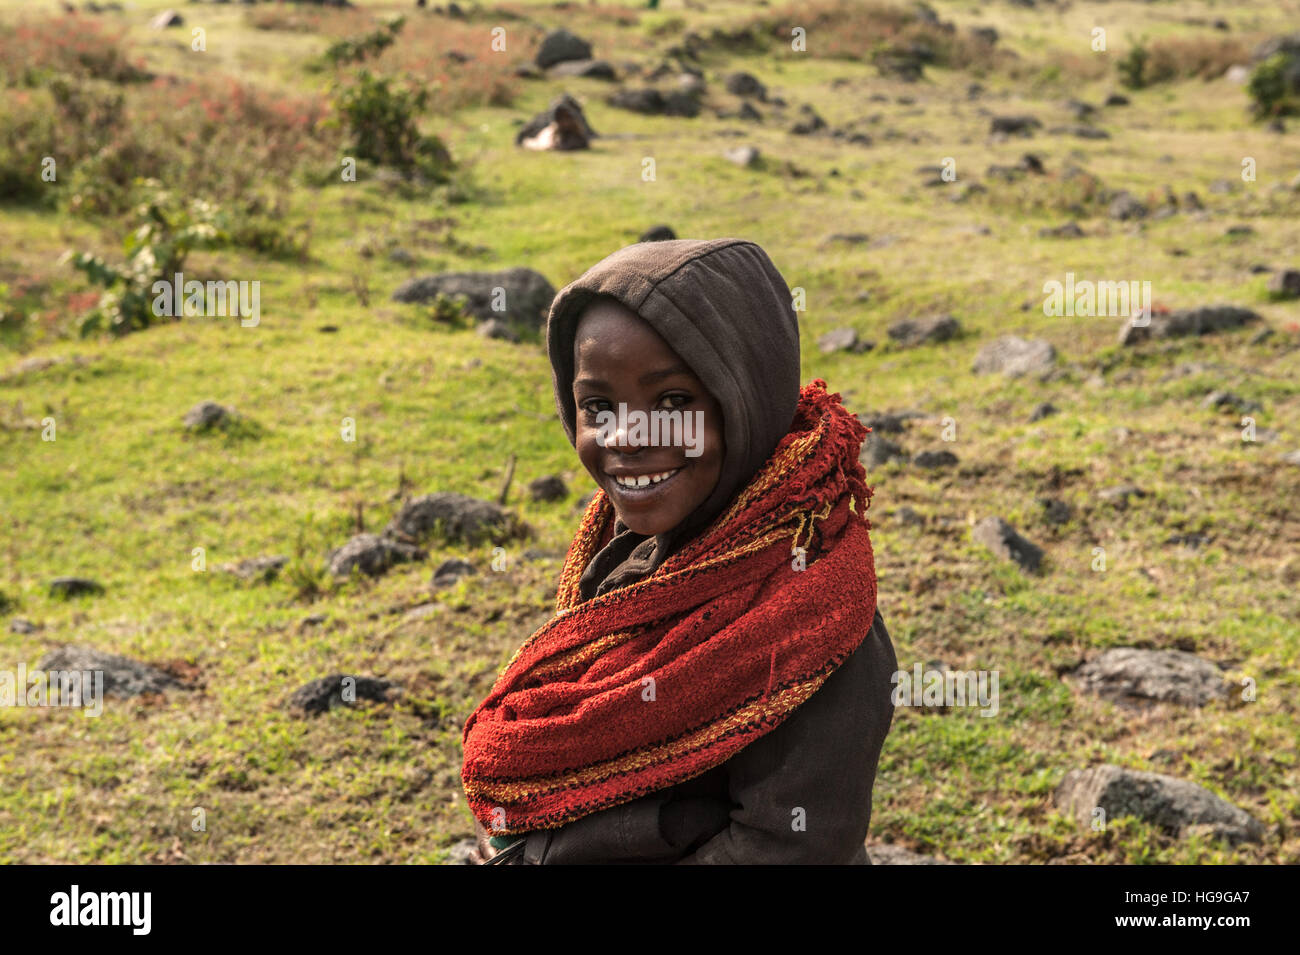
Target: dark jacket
(798, 794)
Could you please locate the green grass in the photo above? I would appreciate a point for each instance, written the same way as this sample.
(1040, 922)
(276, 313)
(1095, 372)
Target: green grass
(124, 495)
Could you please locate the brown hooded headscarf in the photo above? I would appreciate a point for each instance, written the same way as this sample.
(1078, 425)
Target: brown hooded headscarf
(725, 309)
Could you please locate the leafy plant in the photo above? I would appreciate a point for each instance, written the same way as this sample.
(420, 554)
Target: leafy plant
(169, 229)
(1274, 86)
(381, 122)
(1133, 64)
(358, 49)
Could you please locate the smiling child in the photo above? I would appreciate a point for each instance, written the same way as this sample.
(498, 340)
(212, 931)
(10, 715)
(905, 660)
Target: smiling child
(715, 686)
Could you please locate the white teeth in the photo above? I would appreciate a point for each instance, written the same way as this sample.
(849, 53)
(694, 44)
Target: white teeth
(642, 480)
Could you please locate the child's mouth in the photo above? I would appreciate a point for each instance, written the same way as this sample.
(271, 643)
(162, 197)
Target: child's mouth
(641, 487)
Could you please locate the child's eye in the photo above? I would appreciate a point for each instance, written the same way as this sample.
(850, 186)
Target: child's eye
(675, 401)
(594, 406)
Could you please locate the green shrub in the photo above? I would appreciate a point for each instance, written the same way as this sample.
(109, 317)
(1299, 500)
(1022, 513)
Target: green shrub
(358, 49)
(168, 230)
(1274, 86)
(1132, 66)
(381, 125)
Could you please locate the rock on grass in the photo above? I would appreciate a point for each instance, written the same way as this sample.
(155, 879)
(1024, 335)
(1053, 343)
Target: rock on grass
(1129, 675)
(1014, 356)
(886, 854)
(327, 692)
(62, 588)
(1186, 322)
(517, 295)
(122, 676)
(263, 569)
(1003, 540)
(372, 554)
(1174, 805)
(457, 518)
(909, 332)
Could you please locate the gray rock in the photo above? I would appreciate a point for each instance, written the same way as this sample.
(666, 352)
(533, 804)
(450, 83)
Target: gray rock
(1044, 410)
(593, 69)
(1070, 230)
(1080, 130)
(1003, 540)
(459, 517)
(207, 415)
(910, 332)
(1056, 511)
(876, 451)
(1014, 356)
(658, 233)
(908, 516)
(1192, 321)
(654, 103)
(934, 459)
(746, 156)
(1129, 675)
(65, 587)
(461, 851)
(549, 488)
(884, 422)
(1120, 494)
(255, 568)
(1291, 457)
(1174, 805)
(326, 693)
(1014, 125)
(495, 328)
(450, 571)
(745, 84)
(1227, 401)
(1116, 99)
(886, 854)
(371, 554)
(842, 339)
(525, 295)
(559, 46)
(1126, 206)
(1285, 284)
(23, 626)
(123, 676)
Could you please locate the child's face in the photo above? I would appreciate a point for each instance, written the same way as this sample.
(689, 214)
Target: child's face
(620, 360)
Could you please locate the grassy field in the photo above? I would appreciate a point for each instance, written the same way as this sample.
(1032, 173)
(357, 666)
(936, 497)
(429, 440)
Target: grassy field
(124, 494)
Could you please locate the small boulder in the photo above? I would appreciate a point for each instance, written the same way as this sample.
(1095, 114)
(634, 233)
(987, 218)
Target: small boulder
(62, 588)
(559, 46)
(1193, 321)
(123, 676)
(562, 126)
(1126, 206)
(460, 518)
(1129, 675)
(255, 568)
(876, 451)
(372, 554)
(842, 339)
(207, 415)
(746, 156)
(166, 19)
(592, 69)
(450, 571)
(495, 328)
(1174, 805)
(658, 233)
(21, 625)
(1120, 494)
(747, 85)
(549, 488)
(526, 294)
(325, 693)
(934, 459)
(886, 854)
(1043, 410)
(1285, 284)
(1003, 540)
(910, 332)
(1014, 356)
(1055, 511)
(1014, 125)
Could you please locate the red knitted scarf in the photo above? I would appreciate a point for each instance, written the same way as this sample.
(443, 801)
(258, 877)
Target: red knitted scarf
(648, 685)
